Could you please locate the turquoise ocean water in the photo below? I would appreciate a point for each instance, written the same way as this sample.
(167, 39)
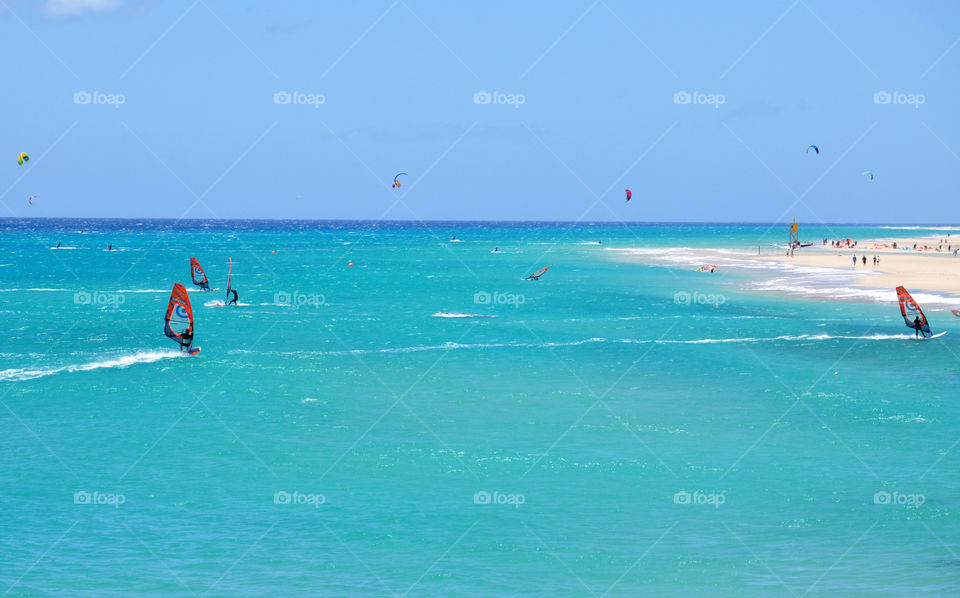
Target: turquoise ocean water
(427, 423)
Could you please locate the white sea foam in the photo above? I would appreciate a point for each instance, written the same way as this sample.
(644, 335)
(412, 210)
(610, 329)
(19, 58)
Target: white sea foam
(442, 314)
(451, 346)
(19, 374)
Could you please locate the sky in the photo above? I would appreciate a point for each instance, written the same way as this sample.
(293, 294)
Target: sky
(496, 110)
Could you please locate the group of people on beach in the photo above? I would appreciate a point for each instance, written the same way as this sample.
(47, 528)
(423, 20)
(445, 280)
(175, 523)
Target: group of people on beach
(876, 261)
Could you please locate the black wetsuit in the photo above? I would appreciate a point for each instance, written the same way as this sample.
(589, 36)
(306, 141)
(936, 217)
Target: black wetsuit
(917, 328)
(234, 300)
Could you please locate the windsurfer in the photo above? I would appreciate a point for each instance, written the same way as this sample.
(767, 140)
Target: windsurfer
(186, 339)
(234, 300)
(918, 328)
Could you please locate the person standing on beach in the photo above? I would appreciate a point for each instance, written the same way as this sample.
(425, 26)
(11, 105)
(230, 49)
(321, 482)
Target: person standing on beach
(864, 261)
(854, 261)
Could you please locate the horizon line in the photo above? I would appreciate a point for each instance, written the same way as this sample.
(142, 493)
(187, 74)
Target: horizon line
(458, 221)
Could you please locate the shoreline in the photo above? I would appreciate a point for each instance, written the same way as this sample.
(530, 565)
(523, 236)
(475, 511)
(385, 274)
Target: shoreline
(824, 272)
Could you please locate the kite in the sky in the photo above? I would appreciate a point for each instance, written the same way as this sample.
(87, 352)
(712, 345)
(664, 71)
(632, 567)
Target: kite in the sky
(396, 183)
(23, 157)
(814, 148)
(629, 195)
(869, 174)
(30, 199)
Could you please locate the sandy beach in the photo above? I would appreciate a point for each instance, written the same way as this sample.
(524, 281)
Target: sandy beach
(827, 272)
(918, 270)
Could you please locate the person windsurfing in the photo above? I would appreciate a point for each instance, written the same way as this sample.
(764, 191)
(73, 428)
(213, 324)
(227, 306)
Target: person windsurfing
(909, 307)
(234, 300)
(536, 275)
(918, 328)
(58, 244)
(178, 321)
(186, 340)
(198, 275)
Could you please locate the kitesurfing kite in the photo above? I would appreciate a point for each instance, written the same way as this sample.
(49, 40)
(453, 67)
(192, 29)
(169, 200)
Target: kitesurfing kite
(913, 316)
(198, 275)
(869, 174)
(178, 323)
(536, 275)
(629, 194)
(23, 157)
(30, 199)
(814, 148)
(396, 183)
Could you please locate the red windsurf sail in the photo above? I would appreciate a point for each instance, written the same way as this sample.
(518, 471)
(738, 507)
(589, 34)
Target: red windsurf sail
(178, 323)
(198, 275)
(911, 311)
(536, 275)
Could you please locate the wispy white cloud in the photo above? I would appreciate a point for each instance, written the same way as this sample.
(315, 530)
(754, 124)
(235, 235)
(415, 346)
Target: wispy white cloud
(71, 8)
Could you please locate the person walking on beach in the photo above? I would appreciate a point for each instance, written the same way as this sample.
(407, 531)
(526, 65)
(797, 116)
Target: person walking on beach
(864, 261)
(854, 261)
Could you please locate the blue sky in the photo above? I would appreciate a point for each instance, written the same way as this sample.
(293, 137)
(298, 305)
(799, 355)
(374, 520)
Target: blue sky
(389, 86)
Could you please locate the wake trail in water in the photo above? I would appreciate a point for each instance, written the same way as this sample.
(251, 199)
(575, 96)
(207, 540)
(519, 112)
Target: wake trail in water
(20, 374)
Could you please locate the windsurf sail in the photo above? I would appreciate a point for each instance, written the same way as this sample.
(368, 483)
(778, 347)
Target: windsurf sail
(178, 323)
(198, 275)
(911, 311)
(229, 275)
(536, 275)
